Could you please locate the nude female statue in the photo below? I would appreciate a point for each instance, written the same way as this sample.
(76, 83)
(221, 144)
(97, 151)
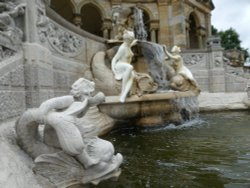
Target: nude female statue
(182, 73)
(121, 66)
(178, 63)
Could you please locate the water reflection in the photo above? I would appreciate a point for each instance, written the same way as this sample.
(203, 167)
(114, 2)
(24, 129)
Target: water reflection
(213, 151)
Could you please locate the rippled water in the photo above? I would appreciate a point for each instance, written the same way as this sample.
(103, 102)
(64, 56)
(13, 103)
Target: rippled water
(213, 151)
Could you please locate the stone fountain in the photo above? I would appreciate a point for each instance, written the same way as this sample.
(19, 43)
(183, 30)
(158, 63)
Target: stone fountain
(163, 91)
(132, 80)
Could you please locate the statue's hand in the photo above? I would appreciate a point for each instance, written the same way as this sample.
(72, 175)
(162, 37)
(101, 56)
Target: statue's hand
(134, 42)
(97, 99)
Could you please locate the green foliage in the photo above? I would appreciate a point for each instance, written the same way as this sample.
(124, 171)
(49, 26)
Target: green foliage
(214, 30)
(230, 39)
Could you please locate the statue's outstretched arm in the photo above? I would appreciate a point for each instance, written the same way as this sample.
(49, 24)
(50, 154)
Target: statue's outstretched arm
(56, 103)
(169, 54)
(134, 43)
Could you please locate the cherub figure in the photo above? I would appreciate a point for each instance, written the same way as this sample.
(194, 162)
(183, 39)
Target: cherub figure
(94, 156)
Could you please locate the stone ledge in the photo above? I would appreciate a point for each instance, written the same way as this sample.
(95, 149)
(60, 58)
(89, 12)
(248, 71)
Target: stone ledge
(222, 101)
(151, 97)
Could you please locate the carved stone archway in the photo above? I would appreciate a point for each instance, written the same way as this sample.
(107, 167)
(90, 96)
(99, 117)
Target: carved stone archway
(146, 20)
(192, 31)
(91, 19)
(65, 8)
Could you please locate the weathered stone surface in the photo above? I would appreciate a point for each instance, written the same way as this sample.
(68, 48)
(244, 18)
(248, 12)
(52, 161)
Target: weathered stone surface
(16, 166)
(222, 101)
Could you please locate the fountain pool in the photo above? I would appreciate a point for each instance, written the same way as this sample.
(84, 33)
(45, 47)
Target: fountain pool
(213, 151)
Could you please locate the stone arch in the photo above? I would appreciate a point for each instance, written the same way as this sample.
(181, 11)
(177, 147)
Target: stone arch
(146, 10)
(91, 19)
(62, 8)
(102, 10)
(193, 33)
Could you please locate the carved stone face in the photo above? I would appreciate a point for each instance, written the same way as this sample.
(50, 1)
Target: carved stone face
(176, 49)
(128, 36)
(82, 87)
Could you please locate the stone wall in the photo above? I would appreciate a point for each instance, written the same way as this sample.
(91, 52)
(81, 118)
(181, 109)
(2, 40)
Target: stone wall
(213, 74)
(60, 54)
(236, 78)
(12, 90)
(197, 62)
(52, 55)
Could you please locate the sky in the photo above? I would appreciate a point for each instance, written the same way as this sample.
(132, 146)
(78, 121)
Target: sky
(235, 14)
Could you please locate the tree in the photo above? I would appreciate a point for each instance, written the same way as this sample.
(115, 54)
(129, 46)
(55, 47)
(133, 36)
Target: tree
(214, 30)
(230, 39)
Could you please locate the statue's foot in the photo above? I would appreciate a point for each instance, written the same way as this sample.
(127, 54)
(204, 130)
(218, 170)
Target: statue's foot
(122, 100)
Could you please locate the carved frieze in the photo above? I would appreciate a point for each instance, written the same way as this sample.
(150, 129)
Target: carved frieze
(61, 40)
(5, 53)
(218, 60)
(10, 34)
(193, 59)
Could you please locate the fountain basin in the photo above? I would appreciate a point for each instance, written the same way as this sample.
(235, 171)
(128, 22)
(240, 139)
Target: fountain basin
(149, 109)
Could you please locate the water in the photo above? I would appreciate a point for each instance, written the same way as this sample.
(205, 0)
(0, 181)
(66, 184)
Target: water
(155, 57)
(139, 25)
(210, 152)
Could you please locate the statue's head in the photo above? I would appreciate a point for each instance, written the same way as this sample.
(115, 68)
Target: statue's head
(82, 87)
(176, 49)
(128, 36)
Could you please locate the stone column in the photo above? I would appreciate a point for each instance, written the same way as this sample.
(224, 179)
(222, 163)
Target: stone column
(154, 27)
(215, 64)
(175, 24)
(77, 20)
(201, 32)
(106, 27)
(163, 35)
(105, 33)
(31, 12)
(208, 21)
(153, 35)
(38, 68)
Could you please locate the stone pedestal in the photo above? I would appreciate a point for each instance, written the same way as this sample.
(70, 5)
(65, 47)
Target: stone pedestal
(216, 66)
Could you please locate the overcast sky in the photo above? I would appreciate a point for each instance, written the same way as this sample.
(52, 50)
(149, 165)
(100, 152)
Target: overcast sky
(235, 14)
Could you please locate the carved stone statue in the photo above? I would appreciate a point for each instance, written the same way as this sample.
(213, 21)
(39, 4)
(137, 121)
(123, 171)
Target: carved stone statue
(121, 66)
(128, 18)
(183, 79)
(8, 12)
(122, 19)
(78, 159)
